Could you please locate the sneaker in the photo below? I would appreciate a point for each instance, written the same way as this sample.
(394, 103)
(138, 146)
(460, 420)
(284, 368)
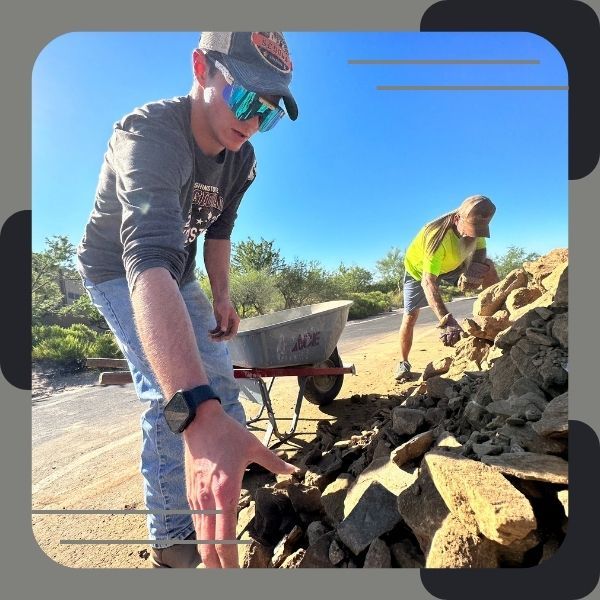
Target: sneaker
(403, 371)
(177, 556)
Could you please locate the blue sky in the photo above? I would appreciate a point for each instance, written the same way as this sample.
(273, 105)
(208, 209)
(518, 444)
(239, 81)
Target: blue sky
(362, 169)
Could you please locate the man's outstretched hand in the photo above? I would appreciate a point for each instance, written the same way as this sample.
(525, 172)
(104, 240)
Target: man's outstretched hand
(451, 331)
(217, 451)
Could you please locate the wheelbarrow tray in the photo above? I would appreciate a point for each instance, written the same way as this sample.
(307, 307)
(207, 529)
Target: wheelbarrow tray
(306, 335)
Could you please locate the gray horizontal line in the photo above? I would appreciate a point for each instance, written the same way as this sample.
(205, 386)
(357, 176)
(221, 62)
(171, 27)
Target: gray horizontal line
(190, 542)
(126, 512)
(444, 61)
(472, 87)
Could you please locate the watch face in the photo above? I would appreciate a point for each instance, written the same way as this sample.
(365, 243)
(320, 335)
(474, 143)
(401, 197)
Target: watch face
(177, 413)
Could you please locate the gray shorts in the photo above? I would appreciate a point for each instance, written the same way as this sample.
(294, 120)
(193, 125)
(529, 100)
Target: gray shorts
(414, 295)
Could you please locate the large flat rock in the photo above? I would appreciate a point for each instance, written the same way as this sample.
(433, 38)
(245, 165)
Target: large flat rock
(532, 466)
(481, 497)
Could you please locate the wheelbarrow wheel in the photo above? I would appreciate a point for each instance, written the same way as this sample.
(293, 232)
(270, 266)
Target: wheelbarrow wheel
(323, 389)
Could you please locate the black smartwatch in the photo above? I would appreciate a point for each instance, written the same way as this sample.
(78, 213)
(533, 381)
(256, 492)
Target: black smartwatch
(181, 408)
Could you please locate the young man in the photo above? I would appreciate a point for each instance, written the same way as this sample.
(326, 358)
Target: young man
(173, 170)
(450, 249)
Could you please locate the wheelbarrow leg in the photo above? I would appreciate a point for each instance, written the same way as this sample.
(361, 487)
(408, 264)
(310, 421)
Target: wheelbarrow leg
(272, 426)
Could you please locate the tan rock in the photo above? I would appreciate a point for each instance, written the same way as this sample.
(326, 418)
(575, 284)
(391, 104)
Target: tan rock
(437, 367)
(481, 497)
(491, 299)
(458, 546)
(522, 297)
(531, 466)
(334, 495)
(447, 440)
(415, 447)
(563, 496)
(470, 352)
(541, 268)
(544, 300)
(551, 282)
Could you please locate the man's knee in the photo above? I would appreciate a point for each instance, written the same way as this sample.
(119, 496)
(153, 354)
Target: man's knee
(410, 318)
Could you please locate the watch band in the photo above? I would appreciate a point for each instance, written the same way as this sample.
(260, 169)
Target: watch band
(201, 393)
(180, 411)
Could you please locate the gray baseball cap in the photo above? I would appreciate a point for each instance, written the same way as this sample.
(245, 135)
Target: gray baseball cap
(258, 60)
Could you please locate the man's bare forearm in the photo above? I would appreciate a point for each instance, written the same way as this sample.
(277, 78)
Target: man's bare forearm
(166, 332)
(217, 255)
(432, 293)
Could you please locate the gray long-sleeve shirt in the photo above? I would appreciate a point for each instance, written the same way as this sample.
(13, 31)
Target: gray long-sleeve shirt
(157, 192)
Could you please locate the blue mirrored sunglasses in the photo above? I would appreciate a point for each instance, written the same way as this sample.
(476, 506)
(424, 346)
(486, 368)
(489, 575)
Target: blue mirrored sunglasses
(245, 104)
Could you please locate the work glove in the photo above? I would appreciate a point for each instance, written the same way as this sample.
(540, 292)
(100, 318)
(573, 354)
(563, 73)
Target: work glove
(451, 330)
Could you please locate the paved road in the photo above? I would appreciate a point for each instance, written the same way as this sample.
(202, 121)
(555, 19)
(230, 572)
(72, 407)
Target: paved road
(357, 333)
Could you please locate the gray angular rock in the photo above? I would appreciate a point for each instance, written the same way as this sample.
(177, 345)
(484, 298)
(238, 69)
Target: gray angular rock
(487, 449)
(422, 508)
(531, 441)
(336, 553)
(560, 329)
(406, 556)
(503, 375)
(555, 419)
(524, 385)
(315, 530)
(476, 415)
(317, 554)
(383, 471)
(406, 421)
(378, 556)
(373, 515)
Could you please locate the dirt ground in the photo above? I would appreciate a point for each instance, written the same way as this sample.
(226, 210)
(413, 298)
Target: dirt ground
(109, 478)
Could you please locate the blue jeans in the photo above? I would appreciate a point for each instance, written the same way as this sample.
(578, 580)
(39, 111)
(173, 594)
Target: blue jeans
(162, 451)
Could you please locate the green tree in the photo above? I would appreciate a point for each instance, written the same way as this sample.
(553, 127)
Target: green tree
(252, 292)
(250, 256)
(512, 259)
(48, 269)
(391, 270)
(301, 283)
(346, 280)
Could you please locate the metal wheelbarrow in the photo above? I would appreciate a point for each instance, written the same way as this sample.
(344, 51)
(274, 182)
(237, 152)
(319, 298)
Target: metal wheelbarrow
(300, 342)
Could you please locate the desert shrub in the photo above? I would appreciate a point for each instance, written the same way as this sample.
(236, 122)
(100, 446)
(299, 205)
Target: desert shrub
(449, 292)
(71, 344)
(366, 304)
(105, 346)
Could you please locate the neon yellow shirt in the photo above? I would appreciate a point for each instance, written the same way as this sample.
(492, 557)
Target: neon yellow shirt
(449, 256)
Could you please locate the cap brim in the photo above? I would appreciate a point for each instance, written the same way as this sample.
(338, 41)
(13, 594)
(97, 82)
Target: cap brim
(480, 231)
(262, 81)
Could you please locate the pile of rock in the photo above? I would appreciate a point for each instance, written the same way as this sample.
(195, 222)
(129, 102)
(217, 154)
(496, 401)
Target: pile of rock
(470, 470)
